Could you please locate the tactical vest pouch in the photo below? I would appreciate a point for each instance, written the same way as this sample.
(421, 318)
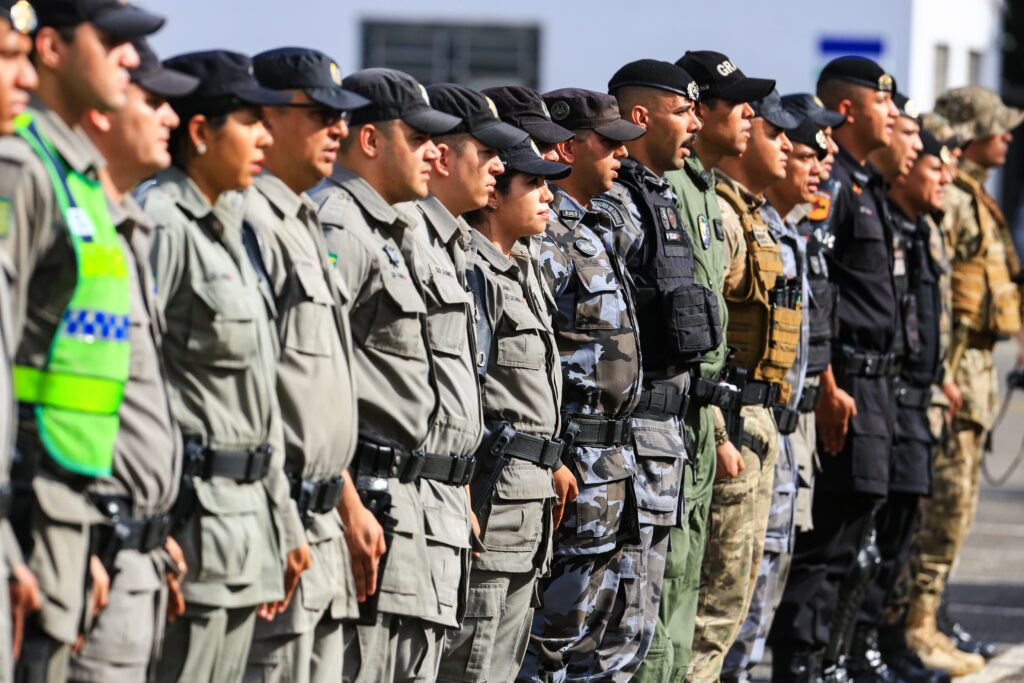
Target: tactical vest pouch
(911, 325)
(1004, 307)
(692, 314)
(968, 290)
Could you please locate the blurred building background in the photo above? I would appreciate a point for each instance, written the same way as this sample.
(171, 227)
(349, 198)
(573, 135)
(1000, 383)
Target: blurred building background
(928, 45)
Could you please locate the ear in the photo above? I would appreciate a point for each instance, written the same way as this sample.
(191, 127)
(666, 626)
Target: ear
(845, 107)
(370, 141)
(442, 163)
(639, 115)
(198, 130)
(99, 120)
(566, 150)
(49, 47)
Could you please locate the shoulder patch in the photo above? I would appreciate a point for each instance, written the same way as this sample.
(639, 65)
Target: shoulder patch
(821, 208)
(610, 209)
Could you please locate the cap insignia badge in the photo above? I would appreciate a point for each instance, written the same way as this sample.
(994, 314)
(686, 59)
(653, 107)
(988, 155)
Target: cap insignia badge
(822, 141)
(817, 101)
(492, 106)
(913, 111)
(544, 108)
(945, 156)
(423, 93)
(692, 91)
(23, 17)
(559, 110)
(885, 83)
(533, 146)
(336, 74)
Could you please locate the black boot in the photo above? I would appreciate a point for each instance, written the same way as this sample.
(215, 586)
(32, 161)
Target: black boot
(904, 662)
(960, 636)
(835, 672)
(802, 665)
(865, 664)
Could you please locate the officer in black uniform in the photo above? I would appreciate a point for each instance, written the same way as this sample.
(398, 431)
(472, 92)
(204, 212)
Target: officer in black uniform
(819, 599)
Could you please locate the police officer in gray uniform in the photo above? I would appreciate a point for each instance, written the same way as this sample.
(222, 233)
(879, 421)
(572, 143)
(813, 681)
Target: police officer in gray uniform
(524, 108)
(315, 383)
(384, 161)
(125, 640)
(235, 521)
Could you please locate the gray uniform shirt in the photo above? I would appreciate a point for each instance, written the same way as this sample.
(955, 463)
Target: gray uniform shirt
(370, 242)
(220, 353)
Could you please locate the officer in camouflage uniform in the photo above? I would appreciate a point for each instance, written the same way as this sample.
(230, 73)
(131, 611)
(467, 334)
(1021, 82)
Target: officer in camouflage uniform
(303, 642)
(520, 461)
(52, 515)
(590, 624)
(383, 162)
(764, 325)
(142, 561)
(784, 198)
(462, 180)
(678, 322)
(986, 306)
(24, 592)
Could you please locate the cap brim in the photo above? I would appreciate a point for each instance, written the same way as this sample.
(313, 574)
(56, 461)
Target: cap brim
(128, 22)
(431, 121)
(783, 119)
(1011, 118)
(499, 135)
(337, 98)
(746, 90)
(827, 118)
(262, 96)
(166, 82)
(620, 131)
(551, 170)
(547, 132)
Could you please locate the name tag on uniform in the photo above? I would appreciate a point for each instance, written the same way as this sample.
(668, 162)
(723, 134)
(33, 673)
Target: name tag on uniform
(80, 224)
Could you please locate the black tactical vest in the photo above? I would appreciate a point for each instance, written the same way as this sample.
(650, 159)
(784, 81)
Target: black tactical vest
(822, 309)
(679, 319)
(921, 305)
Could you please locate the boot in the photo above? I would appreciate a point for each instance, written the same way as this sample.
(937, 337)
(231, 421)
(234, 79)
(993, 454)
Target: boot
(961, 637)
(865, 664)
(935, 649)
(802, 665)
(835, 672)
(903, 661)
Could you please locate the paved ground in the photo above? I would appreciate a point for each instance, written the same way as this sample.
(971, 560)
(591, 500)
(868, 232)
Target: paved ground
(987, 591)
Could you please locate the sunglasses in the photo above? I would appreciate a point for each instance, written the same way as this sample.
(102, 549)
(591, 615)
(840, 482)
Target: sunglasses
(328, 116)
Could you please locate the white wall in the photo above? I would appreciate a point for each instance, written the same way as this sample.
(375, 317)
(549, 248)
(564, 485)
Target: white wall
(584, 42)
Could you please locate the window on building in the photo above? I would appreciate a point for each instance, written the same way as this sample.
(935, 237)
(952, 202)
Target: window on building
(974, 63)
(476, 55)
(941, 68)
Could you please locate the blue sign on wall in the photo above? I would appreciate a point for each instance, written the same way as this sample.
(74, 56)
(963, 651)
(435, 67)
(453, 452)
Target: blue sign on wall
(830, 47)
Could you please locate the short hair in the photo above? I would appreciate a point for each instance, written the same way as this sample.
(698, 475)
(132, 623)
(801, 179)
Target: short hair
(455, 141)
(385, 128)
(832, 91)
(630, 96)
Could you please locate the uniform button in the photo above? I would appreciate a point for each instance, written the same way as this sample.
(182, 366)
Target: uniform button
(480, 358)
(394, 470)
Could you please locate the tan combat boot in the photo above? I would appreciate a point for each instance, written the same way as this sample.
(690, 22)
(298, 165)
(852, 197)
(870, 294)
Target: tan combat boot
(935, 649)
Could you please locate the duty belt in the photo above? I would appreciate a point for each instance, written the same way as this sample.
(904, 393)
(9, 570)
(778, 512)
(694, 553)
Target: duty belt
(759, 394)
(759, 447)
(787, 419)
(538, 450)
(454, 470)
(909, 396)
(866, 363)
(386, 461)
(6, 498)
(663, 399)
(809, 399)
(316, 496)
(243, 466)
(142, 534)
(594, 430)
(709, 392)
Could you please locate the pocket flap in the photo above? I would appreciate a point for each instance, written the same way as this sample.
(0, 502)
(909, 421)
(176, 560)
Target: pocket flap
(595, 279)
(311, 277)
(226, 298)
(870, 424)
(522, 480)
(229, 497)
(658, 438)
(602, 465)
(448, 290)
(403, 292)
(520, 317)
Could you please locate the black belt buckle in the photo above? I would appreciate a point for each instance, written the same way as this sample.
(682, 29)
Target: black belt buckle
(551, 453)
(409, 471)
(463, 467)
(195, 462)
(258, 464)
(155, 533)
(627, 429)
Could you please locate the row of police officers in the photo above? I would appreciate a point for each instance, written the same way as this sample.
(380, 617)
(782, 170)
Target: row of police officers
(319, 379)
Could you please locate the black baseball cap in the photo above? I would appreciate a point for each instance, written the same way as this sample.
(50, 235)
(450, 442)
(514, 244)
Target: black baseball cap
(859, 71)
(771, 110)
(225, 80)
(115, 17)
(524, 108)
(397, 95)
(313, 72)
(906, 106)
(654, 73)
(579, 109)
(717, 76)
(478, 112)
(153, 76)
(810, 106)
(21, 15)
(526, 158)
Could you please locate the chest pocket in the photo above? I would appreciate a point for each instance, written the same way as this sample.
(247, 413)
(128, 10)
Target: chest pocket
(599, 304)
(519, 344)
(867, 252)
(223, 330)
(311, 320)
(446, 319)
(397, 326)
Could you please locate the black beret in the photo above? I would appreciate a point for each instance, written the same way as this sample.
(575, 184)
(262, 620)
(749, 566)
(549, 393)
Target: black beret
(935, 147)
(313, 72)
(859, 71)
(653, 73)
(906, 106)
(478, 112)
(579, 109)
(524, 108)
